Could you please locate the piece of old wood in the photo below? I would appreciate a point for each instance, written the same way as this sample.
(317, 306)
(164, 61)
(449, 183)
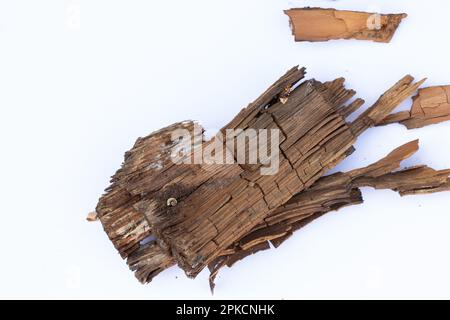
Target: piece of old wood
(430, 106)
(158, 213)
(317, 24)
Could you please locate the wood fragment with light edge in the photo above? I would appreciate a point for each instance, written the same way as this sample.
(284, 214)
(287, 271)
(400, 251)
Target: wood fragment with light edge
(318, 24)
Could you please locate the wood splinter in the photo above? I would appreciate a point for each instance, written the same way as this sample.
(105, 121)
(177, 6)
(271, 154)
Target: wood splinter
(317, 24)
(430, 106)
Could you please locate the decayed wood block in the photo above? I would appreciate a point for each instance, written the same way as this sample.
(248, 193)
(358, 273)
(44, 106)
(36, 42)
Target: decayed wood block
(430, 106)
(317, 24)
(158, 213)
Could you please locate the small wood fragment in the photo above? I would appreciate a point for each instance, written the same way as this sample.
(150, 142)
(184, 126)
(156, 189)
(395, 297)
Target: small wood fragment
(159, 214)
(92, 216)
(332, 193)
(317, 24)
(430, 106)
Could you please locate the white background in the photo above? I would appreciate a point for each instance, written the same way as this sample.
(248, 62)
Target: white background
(74, 97)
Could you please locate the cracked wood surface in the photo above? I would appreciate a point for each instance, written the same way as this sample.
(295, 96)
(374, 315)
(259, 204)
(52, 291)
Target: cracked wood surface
(316, 137)
(317, 24)
(430, 106)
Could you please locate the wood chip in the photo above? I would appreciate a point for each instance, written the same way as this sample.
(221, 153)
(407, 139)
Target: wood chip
(430, 106)
(317, 24)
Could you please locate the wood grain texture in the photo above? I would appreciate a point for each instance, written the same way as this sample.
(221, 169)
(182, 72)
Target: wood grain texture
(317, 24)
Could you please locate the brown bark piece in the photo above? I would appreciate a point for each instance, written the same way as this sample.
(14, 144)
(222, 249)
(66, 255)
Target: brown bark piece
(92, 216)
(430, 106)
(317, 24)
(158, 213)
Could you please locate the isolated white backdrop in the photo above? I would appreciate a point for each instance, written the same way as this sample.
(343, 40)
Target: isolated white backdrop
(75, 96)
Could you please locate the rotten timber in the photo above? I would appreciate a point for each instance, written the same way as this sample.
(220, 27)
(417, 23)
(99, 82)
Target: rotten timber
(317, 24)
(226, 212)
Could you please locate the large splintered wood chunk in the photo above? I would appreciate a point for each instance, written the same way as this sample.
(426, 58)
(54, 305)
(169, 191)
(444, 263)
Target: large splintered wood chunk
(430, 106)
(158, 212)
(317, 24)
